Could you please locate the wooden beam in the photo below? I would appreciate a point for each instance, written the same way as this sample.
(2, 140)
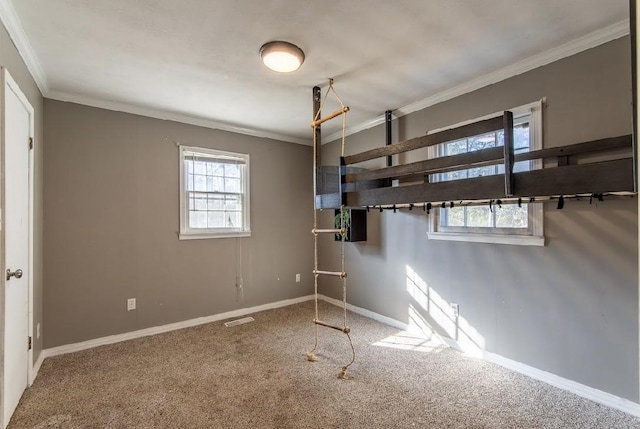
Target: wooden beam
(476, 128)
(488, 187)
(601, 177)
(441, 164)
(508, 153)
(633, 29)
(578, 148)
(485, 157)
(328, 201)
(317, 143)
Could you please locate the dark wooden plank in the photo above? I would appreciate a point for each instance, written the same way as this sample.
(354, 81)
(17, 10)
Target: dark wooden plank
(343, 175)
(455, 190)
(442, 164)
(388, 141)
(317, 146)
(599, 177)
(576, 149)
(328, 201)
(469, 130)
(633, 29)
(508, 153)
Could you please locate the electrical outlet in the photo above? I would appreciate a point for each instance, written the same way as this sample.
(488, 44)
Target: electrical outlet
(38, 331)
(131, 304)
(455, 309)
(297, 278)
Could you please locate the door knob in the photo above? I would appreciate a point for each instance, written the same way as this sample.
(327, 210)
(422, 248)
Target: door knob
(17, 274)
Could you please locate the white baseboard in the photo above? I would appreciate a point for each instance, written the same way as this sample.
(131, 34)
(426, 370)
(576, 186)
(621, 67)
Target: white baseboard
(582, 390)
(367, 313)
(587, 392)
(36, 367)
(574, 387)
(84, 345)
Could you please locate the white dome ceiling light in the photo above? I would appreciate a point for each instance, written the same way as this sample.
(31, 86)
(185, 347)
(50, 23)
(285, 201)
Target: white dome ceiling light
(283, 57)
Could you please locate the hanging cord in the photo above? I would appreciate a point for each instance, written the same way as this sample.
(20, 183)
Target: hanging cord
(311, 357)
(343, 226)
(239, 279)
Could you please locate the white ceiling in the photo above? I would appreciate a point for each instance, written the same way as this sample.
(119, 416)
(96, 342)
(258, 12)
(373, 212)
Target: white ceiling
(197, 60)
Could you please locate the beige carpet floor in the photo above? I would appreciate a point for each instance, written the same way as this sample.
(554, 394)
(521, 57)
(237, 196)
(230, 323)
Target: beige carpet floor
(257, 376)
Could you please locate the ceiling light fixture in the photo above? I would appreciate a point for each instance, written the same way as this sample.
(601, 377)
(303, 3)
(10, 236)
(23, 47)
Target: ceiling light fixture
(283, 57)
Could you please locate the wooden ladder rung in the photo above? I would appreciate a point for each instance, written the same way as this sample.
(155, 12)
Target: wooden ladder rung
(338, 112)
(317, 231)
(345, 330)
(340, 274)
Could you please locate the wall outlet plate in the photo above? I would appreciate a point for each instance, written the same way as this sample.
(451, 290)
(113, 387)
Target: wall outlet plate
(455, 309)
(297, 278)
(131, 304)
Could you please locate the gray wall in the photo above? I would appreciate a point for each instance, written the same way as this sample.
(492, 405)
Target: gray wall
(111, 223)
(569, 308)
(11, 60)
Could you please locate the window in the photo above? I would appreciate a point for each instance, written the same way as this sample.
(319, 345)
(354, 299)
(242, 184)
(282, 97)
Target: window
(504, 224)
(214, 193)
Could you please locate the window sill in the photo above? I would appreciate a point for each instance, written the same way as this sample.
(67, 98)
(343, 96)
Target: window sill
(522, 240)
(206, 235)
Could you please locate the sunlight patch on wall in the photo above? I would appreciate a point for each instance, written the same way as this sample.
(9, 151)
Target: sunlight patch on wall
(439, 311)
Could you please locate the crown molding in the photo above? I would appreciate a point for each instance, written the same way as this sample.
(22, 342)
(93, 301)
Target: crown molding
(592, 40)
(14, 27)
(171, 116)
(12, 23)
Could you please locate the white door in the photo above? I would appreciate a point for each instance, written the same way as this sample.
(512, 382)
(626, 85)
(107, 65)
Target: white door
(17, 132)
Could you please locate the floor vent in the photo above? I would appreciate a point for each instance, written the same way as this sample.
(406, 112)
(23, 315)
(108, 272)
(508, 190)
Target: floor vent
(239, 322)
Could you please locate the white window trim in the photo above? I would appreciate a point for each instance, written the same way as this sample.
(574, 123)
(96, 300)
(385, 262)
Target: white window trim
(536, 212)
(187, 233)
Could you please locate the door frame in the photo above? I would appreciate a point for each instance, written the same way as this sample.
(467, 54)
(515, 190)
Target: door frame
(9, 84)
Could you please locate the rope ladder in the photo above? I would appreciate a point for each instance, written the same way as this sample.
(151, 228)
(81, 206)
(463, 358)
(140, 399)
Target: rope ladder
(342, 274)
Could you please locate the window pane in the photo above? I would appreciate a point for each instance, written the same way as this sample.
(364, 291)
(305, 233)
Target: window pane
(200, 183)
(232, 185)
(455, 216)
(479, 217)
(232, 203)
(215, 219)
(200, 167)
(512, 216)
(455, 148)
(216, 184)
(454, 175)
(197, 219)
(232, 170)
(522, 166)
(482, 171)
(215, 169)
(483, 141)
(521, 138)
(200, 203)
(216, 202)
(233, 219)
